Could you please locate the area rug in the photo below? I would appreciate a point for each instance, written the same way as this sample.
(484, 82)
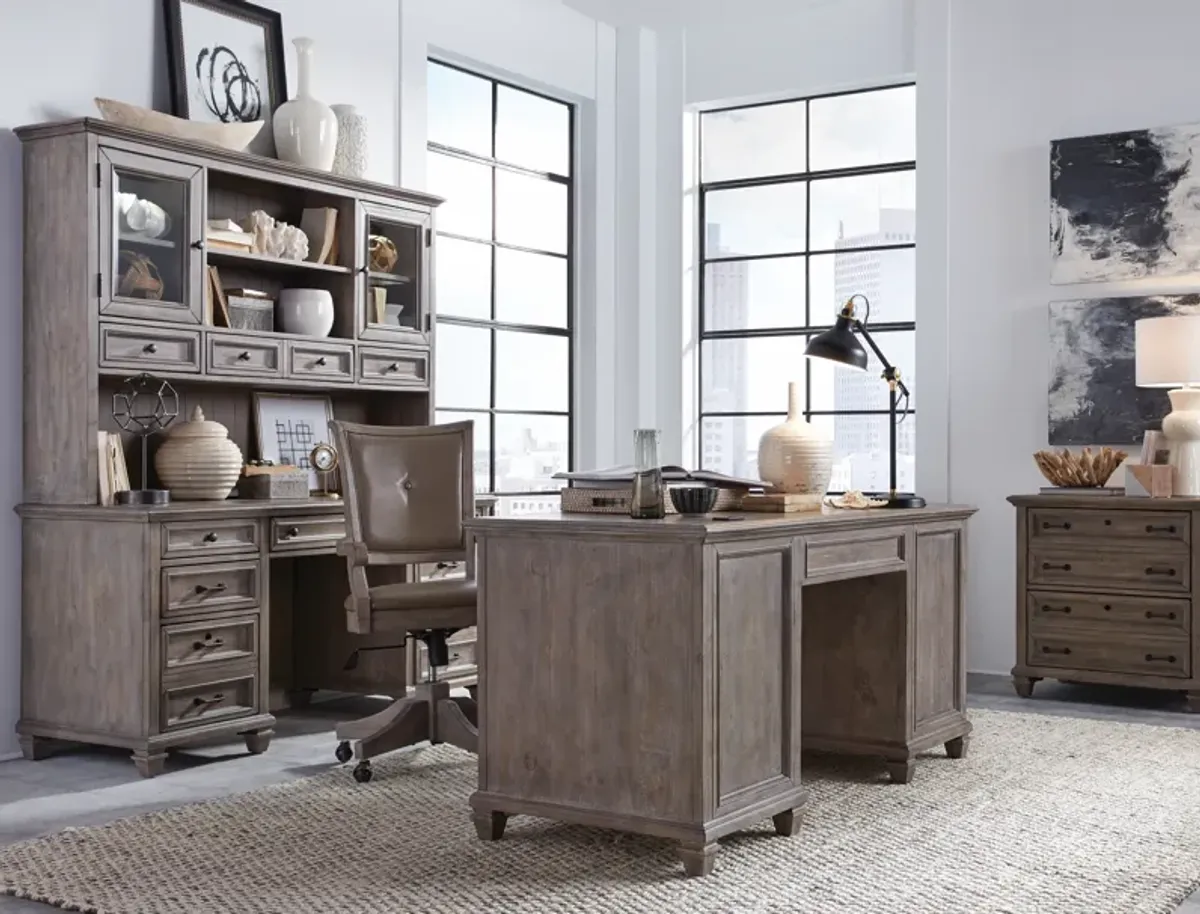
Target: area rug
(1047, 815)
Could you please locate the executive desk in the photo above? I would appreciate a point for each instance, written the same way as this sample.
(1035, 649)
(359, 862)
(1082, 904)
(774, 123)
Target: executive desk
(672, 670)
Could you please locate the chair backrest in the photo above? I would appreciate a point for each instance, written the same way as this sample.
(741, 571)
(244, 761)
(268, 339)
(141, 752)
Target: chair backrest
(408, 490)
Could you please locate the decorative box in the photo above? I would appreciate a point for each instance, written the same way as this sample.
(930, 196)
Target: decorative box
(251, 313)
(583, 500)
(275, 482)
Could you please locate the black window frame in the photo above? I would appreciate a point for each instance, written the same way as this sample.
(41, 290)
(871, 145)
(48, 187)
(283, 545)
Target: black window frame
(807, 328)
(492, 324)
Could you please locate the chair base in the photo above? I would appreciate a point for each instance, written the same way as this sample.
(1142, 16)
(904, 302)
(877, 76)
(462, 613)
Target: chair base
(431, 714)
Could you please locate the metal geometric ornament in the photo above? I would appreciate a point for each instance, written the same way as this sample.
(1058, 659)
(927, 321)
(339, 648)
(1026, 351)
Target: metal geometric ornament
(144, 405)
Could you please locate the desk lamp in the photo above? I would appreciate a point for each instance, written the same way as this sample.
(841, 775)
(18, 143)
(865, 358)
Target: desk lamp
(840, 345)
(1167, 354)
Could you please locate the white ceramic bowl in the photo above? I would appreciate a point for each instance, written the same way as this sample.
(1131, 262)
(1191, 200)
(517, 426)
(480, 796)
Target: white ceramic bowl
(227, 136)
(305, 311)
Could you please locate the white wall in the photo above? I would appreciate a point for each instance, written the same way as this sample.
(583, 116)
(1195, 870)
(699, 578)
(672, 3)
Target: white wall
(1019, 74)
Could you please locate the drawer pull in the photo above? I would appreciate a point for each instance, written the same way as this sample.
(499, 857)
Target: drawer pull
(1049, 566)
(1065, 525)
(321, 361)
(1150, 528)
(210, 537)
(1151, 614)
(201, 702)
(291, 533)
(1057, 609)
(150, 349)
(1108, 607)
(208, 643)
(395, 366)
(244, 356)
(1056, 650)
(219, 587)
(1169, 572)
(1107, 522)
(1160, 658)
(198, 245)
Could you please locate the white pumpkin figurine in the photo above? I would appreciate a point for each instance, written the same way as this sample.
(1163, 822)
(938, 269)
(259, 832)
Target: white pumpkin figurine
(796, 457)
(197, 461)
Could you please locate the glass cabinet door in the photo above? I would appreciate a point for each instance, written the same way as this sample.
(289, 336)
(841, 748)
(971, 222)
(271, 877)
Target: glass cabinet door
(394, 261)
(151, 238)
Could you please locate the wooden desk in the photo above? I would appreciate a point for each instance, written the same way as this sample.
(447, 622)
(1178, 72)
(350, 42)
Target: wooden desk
(662, 677)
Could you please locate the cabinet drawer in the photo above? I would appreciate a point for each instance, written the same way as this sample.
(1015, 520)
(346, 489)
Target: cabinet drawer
(196, 645)
(462, 657)
(192, 538)
(1075, 566)
(320, 361)
(209, 588)
(208, 702)
(1139, 655)
(1059, 524)
(307, 532)
(833, 555)
(244, 355)
(1153, 615)
(122, 346)
(402, 367)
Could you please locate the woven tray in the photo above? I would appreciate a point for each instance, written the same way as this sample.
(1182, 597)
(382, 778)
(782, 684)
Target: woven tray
(581, 500)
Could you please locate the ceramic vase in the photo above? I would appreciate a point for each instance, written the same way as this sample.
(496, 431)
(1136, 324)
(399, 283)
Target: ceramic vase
(305, 311)
(796, 456)
(305, 129)
(197, 461)
(350, 157)
(1181, 428)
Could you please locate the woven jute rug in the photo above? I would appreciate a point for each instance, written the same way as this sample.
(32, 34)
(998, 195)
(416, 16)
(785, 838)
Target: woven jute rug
(1046, 816)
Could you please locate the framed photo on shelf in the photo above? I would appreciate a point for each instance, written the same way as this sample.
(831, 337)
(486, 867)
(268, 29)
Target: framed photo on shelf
(289, 426)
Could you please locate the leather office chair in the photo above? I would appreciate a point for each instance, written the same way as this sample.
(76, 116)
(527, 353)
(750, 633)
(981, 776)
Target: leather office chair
(407, 492)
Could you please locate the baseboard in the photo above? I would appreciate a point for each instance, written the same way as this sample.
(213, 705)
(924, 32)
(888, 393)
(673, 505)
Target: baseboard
(10, 757)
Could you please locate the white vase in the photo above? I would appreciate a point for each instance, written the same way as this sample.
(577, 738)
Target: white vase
(1181, 428)
(305, 311)
(305, 129)
(350, 158)
(796, 456)
(198, 462)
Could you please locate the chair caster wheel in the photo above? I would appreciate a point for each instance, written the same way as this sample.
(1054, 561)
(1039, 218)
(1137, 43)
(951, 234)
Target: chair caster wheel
(362, 771)
(343, 753)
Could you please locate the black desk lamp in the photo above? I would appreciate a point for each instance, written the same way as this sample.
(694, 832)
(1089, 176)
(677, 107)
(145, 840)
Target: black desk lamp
(841, 345)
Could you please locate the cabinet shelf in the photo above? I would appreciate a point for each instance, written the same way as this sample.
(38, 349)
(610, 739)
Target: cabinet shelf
(129, 238)
(387, 279)
(218, 256)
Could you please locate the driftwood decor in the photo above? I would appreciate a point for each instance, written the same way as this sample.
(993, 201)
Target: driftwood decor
(1082, 470)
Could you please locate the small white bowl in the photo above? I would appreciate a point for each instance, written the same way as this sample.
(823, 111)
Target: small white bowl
(305, 311)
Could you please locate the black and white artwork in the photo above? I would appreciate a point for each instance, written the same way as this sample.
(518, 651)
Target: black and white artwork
(1125, 205)
(1093, 397)
(225, 59)
(289, 426)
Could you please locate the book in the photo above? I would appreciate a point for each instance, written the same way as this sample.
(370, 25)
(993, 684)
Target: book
(621, 477)
(219, 244)
(223, 225)
(320, 225)
(113, 473)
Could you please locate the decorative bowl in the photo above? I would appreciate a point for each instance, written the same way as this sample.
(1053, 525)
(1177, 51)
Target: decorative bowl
(305, 311)
(693, 499)
(1082, 470)
(235, 137)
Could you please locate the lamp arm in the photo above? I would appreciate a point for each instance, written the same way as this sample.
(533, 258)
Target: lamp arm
(889, 370)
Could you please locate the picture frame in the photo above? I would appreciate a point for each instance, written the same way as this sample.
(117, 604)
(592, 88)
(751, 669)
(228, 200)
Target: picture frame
(288, 426)
(225, 61)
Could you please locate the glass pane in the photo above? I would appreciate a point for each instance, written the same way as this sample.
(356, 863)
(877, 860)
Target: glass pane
(150, 250)
(860, 452)
(751, 375)
(886, 278)
(745, 294)
(755, 220)
(867, 128)
(834, 386)
(393, 257)
(729, 444)
(532, 371)
(462, 367)
(752, 142)
(530, 288)
(464, 278)
(482, 443)
(863, 211)
(529, 451)
(533, 132)
(459, 110)
(531, 212)
(467, 187)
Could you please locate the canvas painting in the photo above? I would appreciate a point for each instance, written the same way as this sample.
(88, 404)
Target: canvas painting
(290, 426)
(1093, 399)
(1125, 205)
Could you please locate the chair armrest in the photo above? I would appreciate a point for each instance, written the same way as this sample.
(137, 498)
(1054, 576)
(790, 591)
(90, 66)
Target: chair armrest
(355, 553)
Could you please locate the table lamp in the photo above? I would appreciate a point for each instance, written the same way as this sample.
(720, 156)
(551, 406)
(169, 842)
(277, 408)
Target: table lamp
(840, 345)
(1167, 354)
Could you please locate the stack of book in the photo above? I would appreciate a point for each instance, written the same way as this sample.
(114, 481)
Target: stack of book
(610, 491)
(114, 475)
(227, 235)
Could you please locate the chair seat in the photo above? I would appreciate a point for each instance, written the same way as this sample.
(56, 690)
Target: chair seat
(424, 604)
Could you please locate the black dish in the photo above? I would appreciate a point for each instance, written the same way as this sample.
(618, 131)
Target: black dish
(693, 499)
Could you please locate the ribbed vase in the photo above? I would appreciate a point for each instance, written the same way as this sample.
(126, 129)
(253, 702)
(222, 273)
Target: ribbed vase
(350, 156)
(796, 456)
(198, 462)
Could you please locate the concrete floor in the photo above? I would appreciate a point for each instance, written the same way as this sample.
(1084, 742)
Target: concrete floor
(93, 786)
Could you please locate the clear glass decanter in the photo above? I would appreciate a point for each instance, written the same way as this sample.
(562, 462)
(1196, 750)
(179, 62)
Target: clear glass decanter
(649, 494)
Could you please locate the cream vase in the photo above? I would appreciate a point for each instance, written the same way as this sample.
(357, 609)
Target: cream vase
(306, 130)
(198, 462)
(796, 456)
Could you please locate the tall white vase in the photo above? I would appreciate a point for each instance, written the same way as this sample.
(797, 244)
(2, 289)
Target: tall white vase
(351, 156)
(1181, 428)
(796, 456)
(305, 129)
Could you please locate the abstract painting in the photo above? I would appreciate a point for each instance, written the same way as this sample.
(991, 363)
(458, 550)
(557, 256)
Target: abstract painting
(1125, 205)
(1092, 397)
(289, 426)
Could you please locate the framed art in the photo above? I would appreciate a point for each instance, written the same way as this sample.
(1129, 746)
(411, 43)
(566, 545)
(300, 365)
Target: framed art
(289, 427)
(225, 60)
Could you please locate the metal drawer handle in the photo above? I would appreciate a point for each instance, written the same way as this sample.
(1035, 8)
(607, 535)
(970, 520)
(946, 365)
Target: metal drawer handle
(1065, 525)
(244, 356)
(1056, 650)
(291, 533)
(1169, 572)
(198, 245)
(395, 366)
(210, 537)
(1150, 614)
(321, 360)
(219, 587)
(208, 643)
(1048, 566)
(150, 348)
(1057, 609)
(1150, 528)
(1160, 658)
(200, 702)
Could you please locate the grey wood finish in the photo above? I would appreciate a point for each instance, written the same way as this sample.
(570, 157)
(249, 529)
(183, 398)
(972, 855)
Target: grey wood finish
(696, 658)
(1105, 592)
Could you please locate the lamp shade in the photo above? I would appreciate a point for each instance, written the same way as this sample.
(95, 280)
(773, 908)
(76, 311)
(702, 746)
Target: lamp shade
(838, 344)
(1167, 350)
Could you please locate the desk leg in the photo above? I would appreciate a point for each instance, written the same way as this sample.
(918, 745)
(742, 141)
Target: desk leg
(901, 771)
(489, 826)
(258, 741)
(787, 823)
(1023, 685)
(957, 747)
(698, 859)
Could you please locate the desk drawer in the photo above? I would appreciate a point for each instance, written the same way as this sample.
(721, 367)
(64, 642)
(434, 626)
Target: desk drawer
(320, 361)
(877, 550)
(245, 355)
(209, 588)
(402, 367)
(1121, 654)
(205, 703)
(1085, 525)
(307, 532)
(188, 539)
(462, 657)
(194, 646)
(1080, 566)
(123, 346)
(1151, 615)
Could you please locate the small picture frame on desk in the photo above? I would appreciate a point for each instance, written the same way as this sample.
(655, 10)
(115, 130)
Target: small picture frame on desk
(289, 426)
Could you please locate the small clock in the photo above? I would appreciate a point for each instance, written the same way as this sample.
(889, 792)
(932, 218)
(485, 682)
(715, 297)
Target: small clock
(324, 459)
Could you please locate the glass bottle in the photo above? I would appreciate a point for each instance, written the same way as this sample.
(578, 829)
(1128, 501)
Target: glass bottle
(648, 499)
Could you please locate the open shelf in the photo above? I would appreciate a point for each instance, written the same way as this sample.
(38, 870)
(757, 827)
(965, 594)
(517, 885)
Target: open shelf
(254, 261)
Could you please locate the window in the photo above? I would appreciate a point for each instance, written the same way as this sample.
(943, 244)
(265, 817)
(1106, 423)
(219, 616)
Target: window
(804, 203)
(502, 159)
